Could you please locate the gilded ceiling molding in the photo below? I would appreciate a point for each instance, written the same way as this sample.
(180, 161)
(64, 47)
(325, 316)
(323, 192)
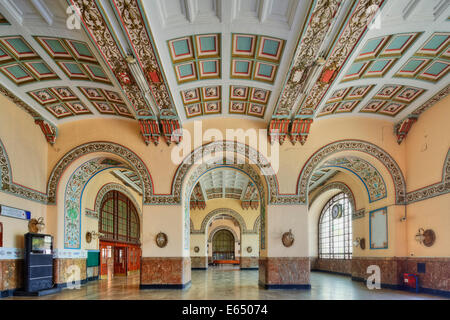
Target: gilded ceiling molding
(134, 24)
(359, 21)
(114, 187)
(220, 228)
(49, 130)
(352, 145)
(306, 54)
(92, 147)
(434, 190)
(103, 38)
(403, 127)
(304, 59)
(8, 185)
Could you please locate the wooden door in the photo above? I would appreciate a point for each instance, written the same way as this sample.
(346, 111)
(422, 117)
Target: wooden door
(120, 261)
(106, 260)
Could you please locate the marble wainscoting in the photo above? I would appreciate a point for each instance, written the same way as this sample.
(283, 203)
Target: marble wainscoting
(249, 263)
(11, 275)
(337, 266)
(165, 273)
(433, 273)
(68, 270)
(284, 273)
(199, 263)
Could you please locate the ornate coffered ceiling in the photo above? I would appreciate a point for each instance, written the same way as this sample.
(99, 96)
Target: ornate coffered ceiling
(164, 62)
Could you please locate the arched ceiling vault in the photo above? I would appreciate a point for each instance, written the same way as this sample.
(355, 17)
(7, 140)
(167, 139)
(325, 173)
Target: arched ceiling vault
(164, 62)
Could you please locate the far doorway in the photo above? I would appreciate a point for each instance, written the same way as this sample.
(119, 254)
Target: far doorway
(223, 248)
(120, 250)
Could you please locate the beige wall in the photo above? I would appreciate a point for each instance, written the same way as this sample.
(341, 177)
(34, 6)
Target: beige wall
(26, 149)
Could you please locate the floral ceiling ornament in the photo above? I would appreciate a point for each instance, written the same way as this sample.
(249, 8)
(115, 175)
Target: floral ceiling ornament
(98, 29)
(362, 16)
(134, 24)
(307, 53)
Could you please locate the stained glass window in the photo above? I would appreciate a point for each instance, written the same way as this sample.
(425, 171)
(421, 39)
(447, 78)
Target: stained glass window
(335, 229)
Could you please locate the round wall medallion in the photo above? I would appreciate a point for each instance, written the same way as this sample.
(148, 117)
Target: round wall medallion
(288, 239)
(362, 243)
(429, 237)
(88, 237)
(249, 249)
(161, 240)
(196, 249)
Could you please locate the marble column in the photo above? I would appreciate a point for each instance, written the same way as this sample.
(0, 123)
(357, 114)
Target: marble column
(283, 267)
(168, 267)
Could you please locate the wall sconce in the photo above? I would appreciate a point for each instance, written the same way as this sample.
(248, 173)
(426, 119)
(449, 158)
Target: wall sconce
(91, 235)
(36, 225)
(360, 242)
(425, 237)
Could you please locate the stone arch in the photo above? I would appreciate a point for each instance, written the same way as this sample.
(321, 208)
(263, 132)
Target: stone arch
(116, 187)
(226, 211)
(7, 182)
(370, 177)
(339, 186)
(73, 194)
(244, 150)
(217, 229)
(352, 145)
(244, 168)
(107, 147)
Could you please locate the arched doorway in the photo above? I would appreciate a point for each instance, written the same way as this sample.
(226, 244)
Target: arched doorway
(120, 251)
(223, 246)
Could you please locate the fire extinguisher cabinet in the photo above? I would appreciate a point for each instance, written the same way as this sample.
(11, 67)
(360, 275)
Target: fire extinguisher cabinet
(411, 281)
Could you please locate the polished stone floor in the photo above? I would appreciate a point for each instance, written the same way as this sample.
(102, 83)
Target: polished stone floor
(229, 283)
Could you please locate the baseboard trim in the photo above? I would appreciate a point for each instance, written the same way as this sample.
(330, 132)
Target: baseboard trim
(165, 286)
(332, 272)
(255, 268)
(93, 278)
(285, 286)
(7, 293)
(199, 268)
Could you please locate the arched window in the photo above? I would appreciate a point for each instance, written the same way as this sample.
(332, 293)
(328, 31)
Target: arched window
(119, 220)
(335, 229)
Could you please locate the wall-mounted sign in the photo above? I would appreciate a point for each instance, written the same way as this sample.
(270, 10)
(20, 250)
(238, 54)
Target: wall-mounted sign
(14, 213)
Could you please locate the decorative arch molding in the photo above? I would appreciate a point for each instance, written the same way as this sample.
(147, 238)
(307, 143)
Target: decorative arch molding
(352, 145)
(345, 189)
(370, 177)
(106, 147)
(72, 199)
(257, 224)
(254, 157)
(7, 182)
(114, 187)
(219, 228)
(436, 189)
(227, 211)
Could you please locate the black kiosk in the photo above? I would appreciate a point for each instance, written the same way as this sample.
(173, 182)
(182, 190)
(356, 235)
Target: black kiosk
(38, 266)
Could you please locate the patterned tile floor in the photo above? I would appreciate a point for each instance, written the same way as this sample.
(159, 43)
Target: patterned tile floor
(228, 283)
